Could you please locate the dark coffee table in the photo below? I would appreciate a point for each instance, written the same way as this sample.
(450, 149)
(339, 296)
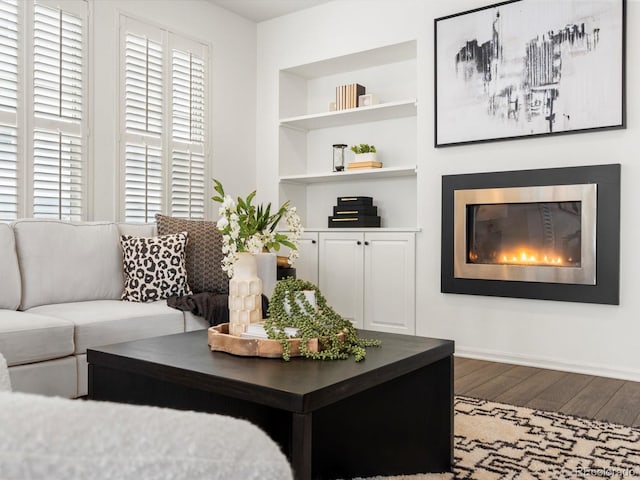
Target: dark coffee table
(390, 414)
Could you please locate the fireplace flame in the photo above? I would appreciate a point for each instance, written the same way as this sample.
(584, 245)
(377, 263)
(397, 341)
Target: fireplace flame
(525, 257)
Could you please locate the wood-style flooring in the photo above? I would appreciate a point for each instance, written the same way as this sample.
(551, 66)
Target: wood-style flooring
(599, 398)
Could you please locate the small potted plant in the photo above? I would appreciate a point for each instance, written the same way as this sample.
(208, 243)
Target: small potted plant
(364, 152)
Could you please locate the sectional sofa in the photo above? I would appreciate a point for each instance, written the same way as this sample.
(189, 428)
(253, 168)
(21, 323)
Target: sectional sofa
(60, 289)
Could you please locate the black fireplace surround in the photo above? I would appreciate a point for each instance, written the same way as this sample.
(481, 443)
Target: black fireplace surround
(480, 226)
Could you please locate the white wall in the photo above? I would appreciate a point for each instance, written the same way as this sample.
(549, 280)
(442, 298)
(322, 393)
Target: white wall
(232, 42)
(577, 337)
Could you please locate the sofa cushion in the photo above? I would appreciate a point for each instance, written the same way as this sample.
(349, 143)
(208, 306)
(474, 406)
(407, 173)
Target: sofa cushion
(138, 229)
(10, 277)
(154, 267)
(52, 377)
(27, 338)
(102, 322)
(68, 262)
(203, 255)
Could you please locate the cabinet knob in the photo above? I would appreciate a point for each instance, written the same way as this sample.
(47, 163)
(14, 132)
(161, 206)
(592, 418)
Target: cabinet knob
(366, 243)
(358, 242)
(313, 241)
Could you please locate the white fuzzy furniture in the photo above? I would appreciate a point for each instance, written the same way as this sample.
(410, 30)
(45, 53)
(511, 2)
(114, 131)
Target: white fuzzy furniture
(57, 438)
(60, 287)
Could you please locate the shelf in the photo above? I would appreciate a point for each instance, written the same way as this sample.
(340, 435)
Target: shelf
(374, 113)
(357, 61)
(349, 175)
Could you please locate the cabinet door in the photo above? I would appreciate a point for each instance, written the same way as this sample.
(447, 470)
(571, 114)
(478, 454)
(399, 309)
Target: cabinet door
(341, 273)
(307, 264)
(389, 282)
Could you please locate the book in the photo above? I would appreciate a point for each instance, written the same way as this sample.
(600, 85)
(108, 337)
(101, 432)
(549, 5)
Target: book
(354, 210)
(347, 95)
(256, 330)
(349, 221)
(355, 201)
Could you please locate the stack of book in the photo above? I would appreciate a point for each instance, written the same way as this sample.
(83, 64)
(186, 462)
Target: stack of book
(347, 96)
(364, 165)
(256, 330)
(354, 212)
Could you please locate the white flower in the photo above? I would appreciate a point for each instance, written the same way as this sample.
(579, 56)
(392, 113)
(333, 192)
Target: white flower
(228, 203)
(223, 222)
(254, 244)
(235, 231)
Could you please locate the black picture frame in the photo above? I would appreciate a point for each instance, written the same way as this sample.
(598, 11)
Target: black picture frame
(514, 70)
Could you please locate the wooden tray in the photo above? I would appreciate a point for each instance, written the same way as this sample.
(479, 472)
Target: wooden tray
(220, 340)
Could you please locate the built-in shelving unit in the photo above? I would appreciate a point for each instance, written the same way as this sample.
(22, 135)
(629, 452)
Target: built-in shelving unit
(308, 129)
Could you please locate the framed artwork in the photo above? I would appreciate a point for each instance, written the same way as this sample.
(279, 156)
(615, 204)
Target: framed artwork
(527, 68)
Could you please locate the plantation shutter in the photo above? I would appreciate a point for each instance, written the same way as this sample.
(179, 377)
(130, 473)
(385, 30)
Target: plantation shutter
(143, 124)
(188, 89)
(143, 85)
(187, 184)
(8, 110)
(162, 123)
(188, 97)
(143, 183)
(58, 106)
(57, 175)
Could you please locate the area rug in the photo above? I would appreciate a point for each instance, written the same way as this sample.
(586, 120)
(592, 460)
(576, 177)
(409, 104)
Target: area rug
(494, 441)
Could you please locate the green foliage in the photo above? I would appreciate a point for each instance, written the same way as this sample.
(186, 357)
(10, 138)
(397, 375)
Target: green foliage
(254, 220)
(363, 148)
(321, 322)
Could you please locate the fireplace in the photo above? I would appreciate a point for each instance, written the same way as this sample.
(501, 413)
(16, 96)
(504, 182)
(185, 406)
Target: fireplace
(545, 234)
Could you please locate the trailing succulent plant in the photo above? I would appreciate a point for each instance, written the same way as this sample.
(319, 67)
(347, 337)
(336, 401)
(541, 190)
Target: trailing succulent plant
(321, 322)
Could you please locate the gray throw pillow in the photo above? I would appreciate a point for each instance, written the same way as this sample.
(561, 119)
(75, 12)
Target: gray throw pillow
(203, 255)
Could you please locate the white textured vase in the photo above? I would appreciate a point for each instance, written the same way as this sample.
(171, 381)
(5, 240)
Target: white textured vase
(245, 294)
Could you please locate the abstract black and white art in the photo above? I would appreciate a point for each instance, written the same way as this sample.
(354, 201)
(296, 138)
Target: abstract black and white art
(527, 68)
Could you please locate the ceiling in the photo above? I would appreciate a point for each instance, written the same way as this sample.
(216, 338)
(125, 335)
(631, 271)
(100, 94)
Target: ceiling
(260, 10)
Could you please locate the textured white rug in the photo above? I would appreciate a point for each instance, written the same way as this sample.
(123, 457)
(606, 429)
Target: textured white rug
(494, 441)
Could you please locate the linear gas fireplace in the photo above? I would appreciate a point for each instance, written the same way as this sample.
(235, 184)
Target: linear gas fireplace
(546, 234)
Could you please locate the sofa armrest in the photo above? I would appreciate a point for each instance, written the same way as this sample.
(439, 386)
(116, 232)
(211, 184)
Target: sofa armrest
(49, 437)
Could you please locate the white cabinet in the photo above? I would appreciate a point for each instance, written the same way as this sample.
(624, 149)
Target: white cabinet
(369, 278)
(307, 264)
(341, 269)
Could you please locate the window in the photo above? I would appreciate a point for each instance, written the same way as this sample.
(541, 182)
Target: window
(9, 52)
(58, 110)
(163, 126)
(42, 154)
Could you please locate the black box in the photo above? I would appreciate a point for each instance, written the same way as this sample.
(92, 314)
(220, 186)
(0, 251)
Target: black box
(361, 201)
(355, 210)
(354, 221)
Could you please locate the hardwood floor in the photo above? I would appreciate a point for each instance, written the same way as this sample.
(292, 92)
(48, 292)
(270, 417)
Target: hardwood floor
(608, 399)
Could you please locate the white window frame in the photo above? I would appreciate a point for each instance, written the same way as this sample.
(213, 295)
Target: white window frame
(79, 9)
(24, 119)
(169, 40)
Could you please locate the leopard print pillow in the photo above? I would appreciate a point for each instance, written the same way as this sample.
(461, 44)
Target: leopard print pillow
(154, 267)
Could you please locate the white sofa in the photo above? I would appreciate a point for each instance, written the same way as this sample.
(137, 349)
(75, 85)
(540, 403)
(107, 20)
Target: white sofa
(60, 287)
(115, 441)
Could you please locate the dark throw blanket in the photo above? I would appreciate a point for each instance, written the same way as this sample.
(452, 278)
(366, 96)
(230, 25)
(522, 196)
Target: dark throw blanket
(214, 307)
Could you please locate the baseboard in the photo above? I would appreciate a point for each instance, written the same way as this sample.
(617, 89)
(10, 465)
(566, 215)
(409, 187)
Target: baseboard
(548, 363)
